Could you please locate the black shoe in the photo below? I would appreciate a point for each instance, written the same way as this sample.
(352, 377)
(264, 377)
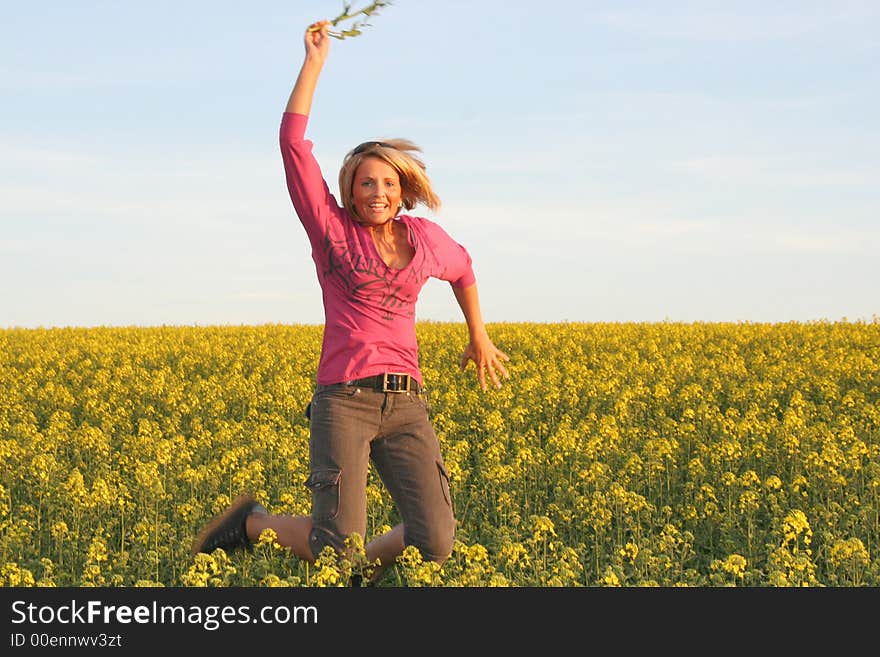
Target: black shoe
(227, 530)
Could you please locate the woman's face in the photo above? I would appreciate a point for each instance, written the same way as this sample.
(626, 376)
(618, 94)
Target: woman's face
(376, 191)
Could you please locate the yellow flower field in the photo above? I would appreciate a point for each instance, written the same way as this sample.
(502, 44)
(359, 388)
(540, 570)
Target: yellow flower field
(636, 454)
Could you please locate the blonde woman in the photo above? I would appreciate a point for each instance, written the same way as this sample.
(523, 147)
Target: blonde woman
(369, 402)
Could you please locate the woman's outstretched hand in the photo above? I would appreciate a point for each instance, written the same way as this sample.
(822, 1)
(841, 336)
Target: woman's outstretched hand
(317, 40)
(488, 358)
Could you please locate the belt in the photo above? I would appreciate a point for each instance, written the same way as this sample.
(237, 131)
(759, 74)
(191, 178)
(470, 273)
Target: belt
(388, 382)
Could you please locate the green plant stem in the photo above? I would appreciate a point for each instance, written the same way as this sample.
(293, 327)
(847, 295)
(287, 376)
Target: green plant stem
(347, 14)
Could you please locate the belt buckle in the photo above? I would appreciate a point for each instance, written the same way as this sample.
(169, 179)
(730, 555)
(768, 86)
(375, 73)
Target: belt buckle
(392, 381)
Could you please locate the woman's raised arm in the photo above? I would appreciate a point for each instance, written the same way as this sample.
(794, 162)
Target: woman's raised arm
(317, 44)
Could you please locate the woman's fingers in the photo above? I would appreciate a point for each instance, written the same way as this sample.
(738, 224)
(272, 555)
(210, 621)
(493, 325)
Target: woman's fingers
(316, 34)
(492, 365)
(498, 364)
(503, 370)
(493, 375)
(319, 26)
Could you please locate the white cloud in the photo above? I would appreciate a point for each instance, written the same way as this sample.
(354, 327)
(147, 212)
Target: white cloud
(15, 246)
(773, 170)
(740, 24)
(219, 190)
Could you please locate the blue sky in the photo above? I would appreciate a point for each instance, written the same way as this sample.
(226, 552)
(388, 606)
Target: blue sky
(601, 161)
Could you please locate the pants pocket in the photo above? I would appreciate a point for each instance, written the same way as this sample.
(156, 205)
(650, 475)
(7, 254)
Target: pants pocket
(444, 483)
(324, 485)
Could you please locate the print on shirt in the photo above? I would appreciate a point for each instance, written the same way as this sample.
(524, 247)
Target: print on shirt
(370, 282)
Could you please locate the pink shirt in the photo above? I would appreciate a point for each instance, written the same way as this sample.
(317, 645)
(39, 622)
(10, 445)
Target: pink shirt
(369, 307)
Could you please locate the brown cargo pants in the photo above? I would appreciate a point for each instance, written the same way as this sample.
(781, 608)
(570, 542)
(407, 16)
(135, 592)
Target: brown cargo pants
(352, 425)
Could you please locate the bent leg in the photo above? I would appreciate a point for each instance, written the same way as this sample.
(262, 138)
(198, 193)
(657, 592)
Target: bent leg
(407, 458)
(343, 420)
(385, 548)
(292, 531)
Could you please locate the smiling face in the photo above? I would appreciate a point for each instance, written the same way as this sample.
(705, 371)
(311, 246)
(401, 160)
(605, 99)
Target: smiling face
(376, 192)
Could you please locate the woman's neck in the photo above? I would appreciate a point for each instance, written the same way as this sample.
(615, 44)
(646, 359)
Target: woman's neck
(384, 232)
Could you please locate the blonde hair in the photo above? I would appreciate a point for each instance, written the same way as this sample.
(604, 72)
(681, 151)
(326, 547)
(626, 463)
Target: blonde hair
(399, 154)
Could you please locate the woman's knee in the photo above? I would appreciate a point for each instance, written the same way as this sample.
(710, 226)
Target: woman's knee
(436, 543)
(321, 537)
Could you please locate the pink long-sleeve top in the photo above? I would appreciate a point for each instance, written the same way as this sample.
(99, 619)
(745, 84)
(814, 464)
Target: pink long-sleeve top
(369, 307)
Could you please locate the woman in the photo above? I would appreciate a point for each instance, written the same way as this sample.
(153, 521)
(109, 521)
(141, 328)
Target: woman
(369, 402)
